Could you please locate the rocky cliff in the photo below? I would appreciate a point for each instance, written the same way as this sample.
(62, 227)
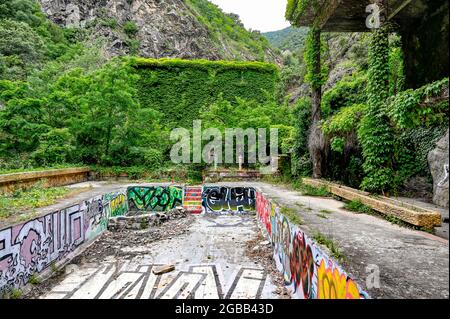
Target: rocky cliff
(155, 28)
(438, 160)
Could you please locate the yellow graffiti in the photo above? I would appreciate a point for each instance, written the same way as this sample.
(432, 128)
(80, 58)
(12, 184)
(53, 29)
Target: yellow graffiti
(333, 285)
(117, 204)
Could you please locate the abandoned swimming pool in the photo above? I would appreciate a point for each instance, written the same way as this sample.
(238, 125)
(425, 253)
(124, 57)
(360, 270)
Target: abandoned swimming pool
(224, 219)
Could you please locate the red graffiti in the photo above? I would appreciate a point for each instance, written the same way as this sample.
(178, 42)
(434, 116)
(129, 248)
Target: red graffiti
(302, 264)
(263, 207)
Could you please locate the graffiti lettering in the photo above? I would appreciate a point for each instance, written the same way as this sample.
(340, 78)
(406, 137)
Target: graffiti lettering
(29, 248)
(157, 198)
(223, 200)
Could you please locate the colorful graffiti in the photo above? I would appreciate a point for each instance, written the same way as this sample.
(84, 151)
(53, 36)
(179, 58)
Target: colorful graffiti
(332, 284)
(118, 204)
(264, 208)
(193, 199)
(308, 272)
(154, 198)
(223, 200)
(29, 248)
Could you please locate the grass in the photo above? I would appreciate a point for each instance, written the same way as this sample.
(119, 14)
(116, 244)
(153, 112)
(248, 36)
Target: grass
(54, 268)
(34, 197)
(34, 279)
(292, 215)
(298, 185)
(322, 216)
(334, 249)
(14, 293)
(144, 224)
(357, 207)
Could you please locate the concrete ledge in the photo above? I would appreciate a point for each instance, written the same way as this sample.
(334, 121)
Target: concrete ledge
(55, 177)
(226, 175)
(411, 214)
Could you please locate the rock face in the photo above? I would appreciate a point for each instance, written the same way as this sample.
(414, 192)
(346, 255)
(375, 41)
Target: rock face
(165, 28)
(438, 160)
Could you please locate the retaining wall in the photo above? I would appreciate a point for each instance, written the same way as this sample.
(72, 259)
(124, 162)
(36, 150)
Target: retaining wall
(307, 270)
(55, 177)
(32, 247)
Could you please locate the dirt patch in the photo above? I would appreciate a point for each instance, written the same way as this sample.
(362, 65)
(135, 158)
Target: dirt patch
(112, 244)
(260, 250)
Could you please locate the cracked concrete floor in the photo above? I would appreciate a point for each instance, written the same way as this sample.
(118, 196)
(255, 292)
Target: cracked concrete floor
(209, 258)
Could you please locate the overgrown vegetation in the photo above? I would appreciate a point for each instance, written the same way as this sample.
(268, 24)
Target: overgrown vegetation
(180, 90)
(34, 197)
(34, 279)
(228, 29)
(292, 215)
(334, 249)
(358, 207)
(64, 102)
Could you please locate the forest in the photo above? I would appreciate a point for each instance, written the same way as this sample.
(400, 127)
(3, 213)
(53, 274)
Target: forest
(64, 101)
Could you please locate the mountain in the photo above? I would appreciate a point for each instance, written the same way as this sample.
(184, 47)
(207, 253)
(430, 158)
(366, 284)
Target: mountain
(290, 38)
(189, 29)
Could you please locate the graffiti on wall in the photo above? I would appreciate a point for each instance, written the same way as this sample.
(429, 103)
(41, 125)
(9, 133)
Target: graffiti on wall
(29, 248)
(154, 198)
(222, 200)
(307, 270)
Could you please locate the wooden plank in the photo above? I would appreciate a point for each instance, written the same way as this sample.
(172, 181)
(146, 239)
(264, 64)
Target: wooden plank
(409, 213)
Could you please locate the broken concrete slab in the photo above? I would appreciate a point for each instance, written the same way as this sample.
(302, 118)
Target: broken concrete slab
(163, 269)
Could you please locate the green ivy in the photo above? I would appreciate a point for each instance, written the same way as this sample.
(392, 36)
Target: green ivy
(410, 109)
(180, 89)
(310, 54)
(344, 121)
(375, 132)
(348, 91)
(301, 162)
(296, 8)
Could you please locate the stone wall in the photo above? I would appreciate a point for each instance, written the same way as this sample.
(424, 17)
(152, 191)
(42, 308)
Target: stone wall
(56, 177)
(438, 160)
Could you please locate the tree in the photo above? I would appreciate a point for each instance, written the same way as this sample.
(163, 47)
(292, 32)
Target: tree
(316, 76)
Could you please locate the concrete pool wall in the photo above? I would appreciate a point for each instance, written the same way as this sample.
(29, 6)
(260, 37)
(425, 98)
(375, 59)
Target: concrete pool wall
(39, 246)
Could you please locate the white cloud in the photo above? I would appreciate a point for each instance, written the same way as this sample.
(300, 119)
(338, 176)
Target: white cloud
(262, 15)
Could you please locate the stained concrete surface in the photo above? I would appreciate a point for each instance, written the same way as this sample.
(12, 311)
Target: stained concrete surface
(209, 258)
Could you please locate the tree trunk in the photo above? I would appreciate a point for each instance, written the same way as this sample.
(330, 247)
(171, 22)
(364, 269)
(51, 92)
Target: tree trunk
(316, 138)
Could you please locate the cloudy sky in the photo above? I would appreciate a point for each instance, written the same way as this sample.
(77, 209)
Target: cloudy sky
(262, 15)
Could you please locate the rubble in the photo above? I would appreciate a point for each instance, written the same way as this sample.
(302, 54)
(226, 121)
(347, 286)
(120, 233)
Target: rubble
(163, 269)
(144, 220)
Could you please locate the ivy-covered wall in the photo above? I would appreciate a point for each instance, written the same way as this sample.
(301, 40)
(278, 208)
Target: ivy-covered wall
(180, 89)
